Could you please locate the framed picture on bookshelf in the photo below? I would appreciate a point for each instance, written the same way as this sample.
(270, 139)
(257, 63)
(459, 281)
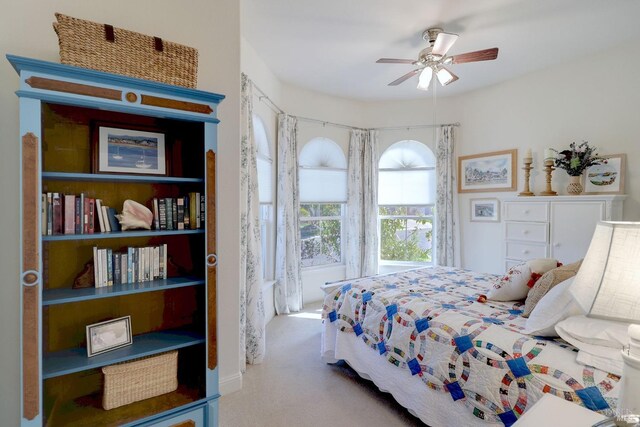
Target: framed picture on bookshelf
(108, 335)
(128, 151)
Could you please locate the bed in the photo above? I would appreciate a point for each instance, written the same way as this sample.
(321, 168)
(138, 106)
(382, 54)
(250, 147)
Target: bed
(427, 337)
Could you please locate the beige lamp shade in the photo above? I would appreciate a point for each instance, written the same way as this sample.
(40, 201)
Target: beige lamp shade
(608, 283)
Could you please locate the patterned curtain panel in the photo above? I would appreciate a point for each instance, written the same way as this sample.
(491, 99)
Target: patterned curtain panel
(447, 233)
(252, 336)
(288, 286)
(362, 204)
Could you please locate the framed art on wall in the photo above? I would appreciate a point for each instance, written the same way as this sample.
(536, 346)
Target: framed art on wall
(129, 151)
(606, 178)
(485, 210)
(495, 171)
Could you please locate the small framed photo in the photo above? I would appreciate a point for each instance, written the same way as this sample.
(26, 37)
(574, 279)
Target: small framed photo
(485, 210)
(606, 178)
(108, 335)
(488, 172)
(128, 151)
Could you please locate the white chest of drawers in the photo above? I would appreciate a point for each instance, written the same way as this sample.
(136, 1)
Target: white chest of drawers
(557, 227)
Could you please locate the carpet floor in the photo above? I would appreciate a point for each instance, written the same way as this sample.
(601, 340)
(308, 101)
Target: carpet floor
(294, 387)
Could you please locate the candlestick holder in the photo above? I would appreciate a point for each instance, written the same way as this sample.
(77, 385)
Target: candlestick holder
(548, 169)
(527, 174)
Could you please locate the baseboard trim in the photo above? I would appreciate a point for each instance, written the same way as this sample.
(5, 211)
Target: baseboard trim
(231, 384)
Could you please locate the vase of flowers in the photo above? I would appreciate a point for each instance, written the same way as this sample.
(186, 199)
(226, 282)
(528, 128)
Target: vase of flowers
(575, 161)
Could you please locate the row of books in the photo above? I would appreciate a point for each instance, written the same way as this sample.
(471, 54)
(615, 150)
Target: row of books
(137, 264)
(179, 213)
(76, 214)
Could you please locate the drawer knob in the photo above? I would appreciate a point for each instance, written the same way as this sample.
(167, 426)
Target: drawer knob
(525, 231)
(555, 245)
(525, 251)
(526, 211)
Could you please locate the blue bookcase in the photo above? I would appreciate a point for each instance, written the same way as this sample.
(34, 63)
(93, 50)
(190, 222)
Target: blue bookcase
(63, 111)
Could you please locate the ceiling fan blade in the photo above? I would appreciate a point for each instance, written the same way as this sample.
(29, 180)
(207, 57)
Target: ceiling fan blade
(395, 61)
(478, 55)
(443, 43)
(405, 77)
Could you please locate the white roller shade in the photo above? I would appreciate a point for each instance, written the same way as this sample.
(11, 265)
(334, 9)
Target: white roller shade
(406, 187)
(322, 185)
(265, 191)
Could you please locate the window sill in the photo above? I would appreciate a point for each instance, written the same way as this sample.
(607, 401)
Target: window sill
(322, 267)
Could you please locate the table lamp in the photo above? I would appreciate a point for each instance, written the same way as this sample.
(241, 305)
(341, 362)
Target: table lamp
(607, 286)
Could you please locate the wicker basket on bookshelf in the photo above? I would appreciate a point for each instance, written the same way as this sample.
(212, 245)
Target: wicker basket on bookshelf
(139, 379)
(105, 48)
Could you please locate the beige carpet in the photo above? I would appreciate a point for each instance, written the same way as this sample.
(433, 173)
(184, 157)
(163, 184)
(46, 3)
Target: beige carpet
(294, 387)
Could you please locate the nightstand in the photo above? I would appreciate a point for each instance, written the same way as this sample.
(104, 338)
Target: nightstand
(551, 410)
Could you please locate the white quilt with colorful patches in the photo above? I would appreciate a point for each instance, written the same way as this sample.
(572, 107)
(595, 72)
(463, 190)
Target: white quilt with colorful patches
(451, 359)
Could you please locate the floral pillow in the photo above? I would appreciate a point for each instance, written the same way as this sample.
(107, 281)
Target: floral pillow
(517, 282)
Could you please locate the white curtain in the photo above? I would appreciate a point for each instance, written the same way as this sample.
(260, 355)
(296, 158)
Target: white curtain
(252, 335)
(362, 204)
(447, 233)
(288, 286)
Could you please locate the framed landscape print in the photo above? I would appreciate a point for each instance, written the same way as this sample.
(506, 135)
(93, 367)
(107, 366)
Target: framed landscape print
(495, 171)
(607, 178)
(128, 151)
(485, 210)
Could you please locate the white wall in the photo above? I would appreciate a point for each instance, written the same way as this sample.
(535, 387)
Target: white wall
(595, 98)
(213, 27)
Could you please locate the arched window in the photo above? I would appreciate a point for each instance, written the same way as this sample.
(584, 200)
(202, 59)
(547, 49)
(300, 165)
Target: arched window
(406, 198)
(265, 190)
(323, 194)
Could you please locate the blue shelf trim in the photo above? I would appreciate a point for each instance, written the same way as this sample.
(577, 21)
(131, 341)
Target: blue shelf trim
(21, 63)
(119, 234)
(150, 421)
(66, 176)
(75, 360)
(66, 295)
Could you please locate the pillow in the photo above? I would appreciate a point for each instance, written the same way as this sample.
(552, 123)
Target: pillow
(556, 305)
(519, 279)
(599, 341)
(547, 282)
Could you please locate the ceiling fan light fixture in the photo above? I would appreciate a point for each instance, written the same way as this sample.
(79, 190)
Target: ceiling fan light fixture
(444, 76)
(425, 78)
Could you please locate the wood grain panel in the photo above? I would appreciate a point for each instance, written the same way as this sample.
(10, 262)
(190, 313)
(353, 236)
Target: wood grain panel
(75, 88)
(156, 101)
(212, 339)
(30, 266)
(187, 423)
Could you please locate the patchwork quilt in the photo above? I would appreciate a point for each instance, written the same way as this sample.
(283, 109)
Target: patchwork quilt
(435, 324)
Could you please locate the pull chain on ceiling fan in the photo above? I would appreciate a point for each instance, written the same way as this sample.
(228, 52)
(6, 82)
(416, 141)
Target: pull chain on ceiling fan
(432, 60)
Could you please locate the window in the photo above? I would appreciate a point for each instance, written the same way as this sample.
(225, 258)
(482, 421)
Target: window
(323, 194)
(406, 197)
(265, 190)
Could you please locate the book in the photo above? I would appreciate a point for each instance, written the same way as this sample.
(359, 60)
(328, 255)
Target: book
(69, 214)
(109, 267)
(147, 263)
(49, 214)
(114, 224)
(105, 218)
(91, 208)
(43, 214)
(103, 268)
(192, 210)
(202, 210)
(130, 265)
(58, 227)
(83, 219)
(180, 213)
(162, 213)
(161, 274)
(187, 219)
(169, 213)
(116, 268)
(96, 271)
(164, 261)
(156, 215)
(99, 215)
(124, 268)
(156, 262)
(174, 213)
(78, 215)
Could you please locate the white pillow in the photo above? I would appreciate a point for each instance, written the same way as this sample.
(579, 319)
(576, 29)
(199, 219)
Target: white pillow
(599, 341)
(513, 285)
(517, 282)
(554, 306)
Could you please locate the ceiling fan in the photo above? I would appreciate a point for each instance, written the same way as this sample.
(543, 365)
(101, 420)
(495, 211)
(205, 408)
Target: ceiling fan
(432, 60)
